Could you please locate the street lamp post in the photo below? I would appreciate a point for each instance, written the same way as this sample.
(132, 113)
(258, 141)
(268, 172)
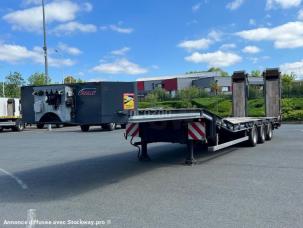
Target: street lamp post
(45, 44)
(45, 52)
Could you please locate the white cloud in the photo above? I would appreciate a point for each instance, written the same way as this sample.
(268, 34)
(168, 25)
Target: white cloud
(300, 15)
(16, 54)
(88, 7)
(215, 35)
(120, 66)
(252, 22)
(228, 46)
(31, 19)
(73, 26)
(191, 45)
(215, 59)
(251, 49)
(121, 51)
(69, 50)
(234, 4)
(284, 4)
(196, 7)
(295, 67)
(203, 43)
(254, 60)
(117, 28)
(30, 2)
(120, 29)
(289, 35)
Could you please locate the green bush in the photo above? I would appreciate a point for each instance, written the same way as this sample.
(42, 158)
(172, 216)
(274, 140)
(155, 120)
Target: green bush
(191, 93)
(209, 103)
(296, 115)
(225, 108)
(144, 104)
(292, 108)
(256, 108)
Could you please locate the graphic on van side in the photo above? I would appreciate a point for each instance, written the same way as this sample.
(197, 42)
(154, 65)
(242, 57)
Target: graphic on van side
(87, 92)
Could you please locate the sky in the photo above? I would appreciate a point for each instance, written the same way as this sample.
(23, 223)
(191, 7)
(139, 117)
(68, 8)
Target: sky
(122, 40)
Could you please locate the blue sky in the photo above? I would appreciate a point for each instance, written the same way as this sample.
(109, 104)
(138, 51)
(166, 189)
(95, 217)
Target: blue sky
(128, 39)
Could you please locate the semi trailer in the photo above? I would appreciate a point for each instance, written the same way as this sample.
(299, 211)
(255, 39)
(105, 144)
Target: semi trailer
(10, 114)
(200, 126)
(83, 104)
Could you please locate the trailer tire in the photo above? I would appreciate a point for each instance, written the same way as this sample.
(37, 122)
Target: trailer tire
(261, 134)
(253, 136)
(268, 132)
(1, 129)
(19, 127)
(85, 128)
(40, 126)
(123, 126)
(109, 127)
(59, 125)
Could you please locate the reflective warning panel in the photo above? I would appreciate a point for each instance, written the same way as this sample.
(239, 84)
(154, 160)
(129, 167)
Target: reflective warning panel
(128, 101)
(196, 131)
(132, 130)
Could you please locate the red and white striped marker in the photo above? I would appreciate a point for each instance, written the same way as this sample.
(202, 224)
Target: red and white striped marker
(196, 131)
(132, 130)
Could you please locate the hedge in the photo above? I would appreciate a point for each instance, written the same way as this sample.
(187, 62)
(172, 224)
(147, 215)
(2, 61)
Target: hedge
(292, 108)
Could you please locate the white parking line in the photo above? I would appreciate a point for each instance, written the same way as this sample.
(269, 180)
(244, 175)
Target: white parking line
(20, 182)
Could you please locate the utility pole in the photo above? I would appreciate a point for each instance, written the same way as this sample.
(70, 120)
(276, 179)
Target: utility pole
(45, 44)
(45, 52)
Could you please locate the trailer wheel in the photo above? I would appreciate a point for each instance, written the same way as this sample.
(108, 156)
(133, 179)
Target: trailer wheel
(268, 132)
(109, 127)
(253, 137)
(40, 126)
(19, 127)
(1, 129)
(261, 134)
(123, 126)
(85, 128)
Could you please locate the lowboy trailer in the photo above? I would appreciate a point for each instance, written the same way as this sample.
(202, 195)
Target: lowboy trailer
(200, 126)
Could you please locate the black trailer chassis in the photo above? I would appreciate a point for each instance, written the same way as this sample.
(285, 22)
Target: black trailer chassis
(196, 126)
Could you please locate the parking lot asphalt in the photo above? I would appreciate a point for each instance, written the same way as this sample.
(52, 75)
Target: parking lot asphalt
(67, 176)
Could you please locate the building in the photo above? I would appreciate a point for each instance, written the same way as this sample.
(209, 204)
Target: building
(175, 83)
(171, 84)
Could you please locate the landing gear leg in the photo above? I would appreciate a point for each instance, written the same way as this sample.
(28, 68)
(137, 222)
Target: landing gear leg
(190, 160)
(144, 155)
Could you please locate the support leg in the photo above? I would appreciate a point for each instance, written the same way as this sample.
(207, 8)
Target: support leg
(190, 160)
(144, 155)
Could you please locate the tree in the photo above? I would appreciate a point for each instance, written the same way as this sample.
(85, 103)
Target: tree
(14, 81)
(2, 88)
(38, 79)
(215, 87)
(70, 80)
(189, 93)
(256, 73)
(287, 81)
(217, 69)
